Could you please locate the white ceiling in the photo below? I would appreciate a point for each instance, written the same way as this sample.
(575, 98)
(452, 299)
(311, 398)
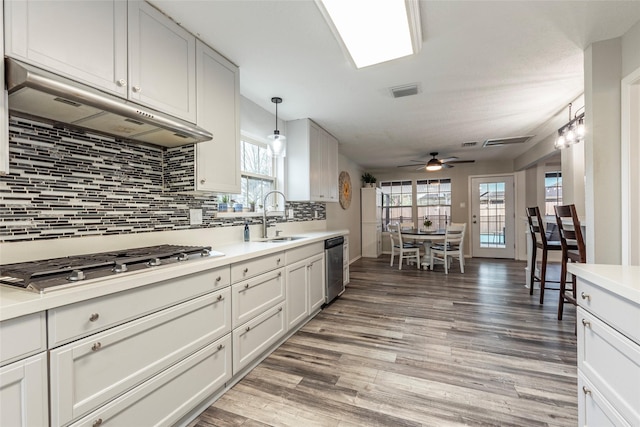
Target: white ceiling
(487, 69)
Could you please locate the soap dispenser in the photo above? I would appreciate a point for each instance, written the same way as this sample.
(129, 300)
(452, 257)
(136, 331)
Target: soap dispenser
(246, 232)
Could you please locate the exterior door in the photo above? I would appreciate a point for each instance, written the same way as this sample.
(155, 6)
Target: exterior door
(493, 217)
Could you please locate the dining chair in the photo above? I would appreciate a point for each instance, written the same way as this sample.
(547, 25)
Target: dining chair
(406, 250)
(573, 249)
(540, 242)
(453, 247)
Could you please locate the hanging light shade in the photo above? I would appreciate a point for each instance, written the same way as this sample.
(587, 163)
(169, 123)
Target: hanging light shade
(277, 144)
(572, 132)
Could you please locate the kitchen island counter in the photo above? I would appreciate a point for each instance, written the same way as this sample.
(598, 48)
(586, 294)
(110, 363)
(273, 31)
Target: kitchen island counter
(15, 302)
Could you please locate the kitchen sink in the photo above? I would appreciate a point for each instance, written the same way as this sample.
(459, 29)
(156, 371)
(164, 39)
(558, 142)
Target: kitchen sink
(284, 239)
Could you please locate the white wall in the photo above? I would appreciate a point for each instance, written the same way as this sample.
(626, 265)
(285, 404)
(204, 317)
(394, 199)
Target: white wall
(338, 218)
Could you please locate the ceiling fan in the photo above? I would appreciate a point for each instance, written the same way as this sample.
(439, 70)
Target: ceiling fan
(435, 164)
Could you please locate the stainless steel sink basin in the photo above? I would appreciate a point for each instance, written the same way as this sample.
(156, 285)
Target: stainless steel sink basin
(284, 239)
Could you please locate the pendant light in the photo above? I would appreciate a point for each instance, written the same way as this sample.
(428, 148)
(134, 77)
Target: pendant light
(277, 144)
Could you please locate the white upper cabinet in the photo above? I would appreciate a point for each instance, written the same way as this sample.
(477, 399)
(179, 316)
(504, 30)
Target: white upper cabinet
(162, 62)
(312, 163)
(218, 160)
(129, 49)
(4, 115)
(86, 41)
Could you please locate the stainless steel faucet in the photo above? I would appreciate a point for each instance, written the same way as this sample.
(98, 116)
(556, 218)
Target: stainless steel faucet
(264, 212)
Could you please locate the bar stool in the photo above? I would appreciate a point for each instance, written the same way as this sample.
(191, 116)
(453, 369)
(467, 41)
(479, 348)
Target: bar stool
(573, 248)
(540, 242)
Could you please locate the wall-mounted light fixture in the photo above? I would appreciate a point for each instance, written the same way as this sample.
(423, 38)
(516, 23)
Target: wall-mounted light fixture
(277, 144)
(573, 131)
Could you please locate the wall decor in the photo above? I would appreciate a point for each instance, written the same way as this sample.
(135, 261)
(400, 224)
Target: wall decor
(344, 185)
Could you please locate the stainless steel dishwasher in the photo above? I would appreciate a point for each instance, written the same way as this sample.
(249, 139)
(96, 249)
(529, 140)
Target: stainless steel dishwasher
(333, 265)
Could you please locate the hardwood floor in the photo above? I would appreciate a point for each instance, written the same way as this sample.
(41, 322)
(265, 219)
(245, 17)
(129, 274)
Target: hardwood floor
(418, 348)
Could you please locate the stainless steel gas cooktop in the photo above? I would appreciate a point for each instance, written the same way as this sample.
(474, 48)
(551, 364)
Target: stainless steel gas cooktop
(46, 275)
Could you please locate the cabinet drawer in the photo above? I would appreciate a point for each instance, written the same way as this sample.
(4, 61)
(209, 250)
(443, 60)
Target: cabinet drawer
(247, 269)
(87, 373)
(78, 320)
(23, 392)
(167, 397)
(593, 409)
(256, 336)
(298, 254)
(611, 362)
(22, 337)
(252, 297)
(622, 314)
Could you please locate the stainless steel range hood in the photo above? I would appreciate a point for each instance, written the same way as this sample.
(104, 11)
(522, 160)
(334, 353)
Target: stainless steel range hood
(42, 94)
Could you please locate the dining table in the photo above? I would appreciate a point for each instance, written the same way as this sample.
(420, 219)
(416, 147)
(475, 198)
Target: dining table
(427, 237)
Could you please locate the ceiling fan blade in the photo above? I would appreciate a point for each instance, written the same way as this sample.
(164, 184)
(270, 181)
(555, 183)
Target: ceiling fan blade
(448, 159)
(413, 165)
(461, 161)
(446, 166)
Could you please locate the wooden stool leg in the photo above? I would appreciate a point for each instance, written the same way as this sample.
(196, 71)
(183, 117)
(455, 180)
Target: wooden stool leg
(563, 286)
(543, 275)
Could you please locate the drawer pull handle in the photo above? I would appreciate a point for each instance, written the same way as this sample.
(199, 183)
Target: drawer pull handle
(94, 317)
(248, 328)
(97, 422)
(586, 323)
(246, 270)
(219, 278)
(585, 296)
(219, 297)
(586, 389)
(97, 346)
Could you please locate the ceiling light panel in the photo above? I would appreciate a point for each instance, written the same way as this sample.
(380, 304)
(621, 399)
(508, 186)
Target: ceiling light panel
(374, 31)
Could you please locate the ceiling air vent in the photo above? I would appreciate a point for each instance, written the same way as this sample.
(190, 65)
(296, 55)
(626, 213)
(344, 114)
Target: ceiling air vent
(469, 144)
(506, 141)
(402, 91)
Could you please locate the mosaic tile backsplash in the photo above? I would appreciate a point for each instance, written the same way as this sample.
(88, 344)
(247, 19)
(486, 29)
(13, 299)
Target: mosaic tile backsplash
(64, 183)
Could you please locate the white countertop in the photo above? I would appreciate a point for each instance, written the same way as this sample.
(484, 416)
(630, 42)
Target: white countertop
(623, 280)
(16, 302)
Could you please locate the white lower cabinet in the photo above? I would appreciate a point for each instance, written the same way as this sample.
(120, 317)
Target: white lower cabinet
(595, 410)
(316, 279)
(89, 372)
(252, 297)
(256, 336)
(23, 392)
(297, 293)
(165, 398)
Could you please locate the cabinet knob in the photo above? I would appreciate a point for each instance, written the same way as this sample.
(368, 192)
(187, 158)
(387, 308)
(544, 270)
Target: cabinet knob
(246, 286)
(219, 278)
(248, 328)
(585, 296)
(94, 317)
(279, 309)
(586, 323)
(220, 347)
(280, 274)
(219, 297)
(246, 270)
(202, 181)
(586, 389)
(278, 261)
(97, 422)
(136, 89)
(97, 346)
(121, 83)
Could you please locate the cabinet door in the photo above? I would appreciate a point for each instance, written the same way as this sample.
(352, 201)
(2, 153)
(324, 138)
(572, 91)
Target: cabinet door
(254, 296)
(87, 373)
(593, 409)
(331, 178)
(316, 280)
(86, 41)
(167, 397)
(218, 160)
(256, 336)
(297, 293)
(162, 62)
(316, 172)
(23, 392)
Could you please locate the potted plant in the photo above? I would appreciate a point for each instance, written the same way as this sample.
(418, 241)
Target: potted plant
(427, 223)
(224, 202)
(230, 205)
(369, 180)
(252, 205)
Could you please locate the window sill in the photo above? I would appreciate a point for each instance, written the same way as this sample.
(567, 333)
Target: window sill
(247, 214)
